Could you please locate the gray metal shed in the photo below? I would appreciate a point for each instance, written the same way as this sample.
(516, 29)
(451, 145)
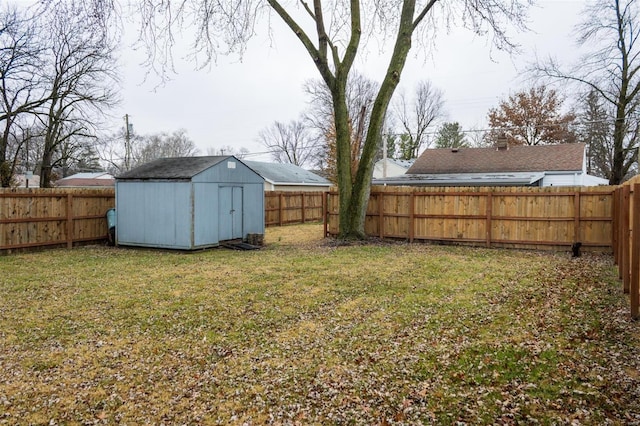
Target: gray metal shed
(189, 203)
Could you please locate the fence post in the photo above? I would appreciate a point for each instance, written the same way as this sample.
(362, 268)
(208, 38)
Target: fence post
(381, 214)
(411, 216)
(489, 217)
(615, 220)
(576, 217)
(624, 263)
(634, 288)
(303, 218)
(325, 212)
(69, 220)
(280, 208)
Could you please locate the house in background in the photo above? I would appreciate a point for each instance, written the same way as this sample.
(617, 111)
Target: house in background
(87, 180)
(22, 181)
(390, 167)
(288, 177)
(542, 165)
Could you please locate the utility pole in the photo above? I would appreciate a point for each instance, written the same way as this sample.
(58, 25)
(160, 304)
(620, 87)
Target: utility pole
(27, 173)
(127, 144)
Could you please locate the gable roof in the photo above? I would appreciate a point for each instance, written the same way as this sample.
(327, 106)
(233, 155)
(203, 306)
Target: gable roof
(88, 175)
(289, 174)
(540, 158)
(173, 168)
(83, 182)
(86, 179)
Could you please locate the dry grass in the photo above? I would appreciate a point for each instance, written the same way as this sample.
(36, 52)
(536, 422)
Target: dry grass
(306, 332)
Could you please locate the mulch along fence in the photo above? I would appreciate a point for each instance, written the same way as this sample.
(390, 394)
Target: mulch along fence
(513, 217)
(31, 218)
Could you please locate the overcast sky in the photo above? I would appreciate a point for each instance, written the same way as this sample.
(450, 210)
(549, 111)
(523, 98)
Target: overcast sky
(230, 103)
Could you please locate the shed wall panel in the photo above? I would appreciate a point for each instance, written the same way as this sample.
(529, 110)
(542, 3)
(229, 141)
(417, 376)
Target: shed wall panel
(156, 214)
(205, 214)
(253, 214)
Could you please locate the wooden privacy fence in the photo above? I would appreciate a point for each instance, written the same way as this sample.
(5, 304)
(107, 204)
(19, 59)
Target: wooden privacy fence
(626, 240)
(519, 217)
(51, 217)
(283, 208)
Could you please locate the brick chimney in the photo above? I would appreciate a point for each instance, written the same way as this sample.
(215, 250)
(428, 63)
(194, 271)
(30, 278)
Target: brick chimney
(501, 143)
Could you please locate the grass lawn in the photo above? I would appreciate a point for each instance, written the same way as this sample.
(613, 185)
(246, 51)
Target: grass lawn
(305, 331)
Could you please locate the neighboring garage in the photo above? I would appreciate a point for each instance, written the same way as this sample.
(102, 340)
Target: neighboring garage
(189, 203)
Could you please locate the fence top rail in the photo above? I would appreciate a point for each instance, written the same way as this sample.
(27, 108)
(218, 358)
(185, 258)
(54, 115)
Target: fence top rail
(298, 193)
(56, 195)
(56, 192)
(487, 193)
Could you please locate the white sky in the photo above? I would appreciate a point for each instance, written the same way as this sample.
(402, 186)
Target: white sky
(230, 103)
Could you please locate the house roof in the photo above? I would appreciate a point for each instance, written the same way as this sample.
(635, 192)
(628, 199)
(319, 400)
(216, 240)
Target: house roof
(562, 157)
(88, 175)
(79, 182)
(286, 174)
(464, 179)
(173, 168)
(86, 179)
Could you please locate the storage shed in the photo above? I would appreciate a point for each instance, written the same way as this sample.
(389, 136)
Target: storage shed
(188, 203)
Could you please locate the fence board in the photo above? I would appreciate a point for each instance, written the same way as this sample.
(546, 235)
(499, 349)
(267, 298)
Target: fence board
(283, 208)
(51, 217)
(541, 218)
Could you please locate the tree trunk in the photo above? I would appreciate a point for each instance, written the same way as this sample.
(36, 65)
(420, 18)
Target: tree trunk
(617, 176)
(353, 213)
(6, 172)
(45, 171)
(343, 155)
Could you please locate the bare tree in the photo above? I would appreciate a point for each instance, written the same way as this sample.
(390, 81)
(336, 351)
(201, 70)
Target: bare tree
(332, 34)
(20, 85)
(80, 80)
(289, 142)
(240, 153)
(112, 152)
(610, 30)
(417, 115)
(479, 137)
(163, 145)
(360, 91)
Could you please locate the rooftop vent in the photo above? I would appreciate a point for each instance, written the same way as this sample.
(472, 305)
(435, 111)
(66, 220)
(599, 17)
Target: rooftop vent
(454, 149)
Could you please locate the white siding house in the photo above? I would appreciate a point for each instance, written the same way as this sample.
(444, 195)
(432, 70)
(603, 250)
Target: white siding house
(390, 167)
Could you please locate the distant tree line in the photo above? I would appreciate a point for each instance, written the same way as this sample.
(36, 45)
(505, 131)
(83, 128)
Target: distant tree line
(602, 112)
(537, 115)
(57, 78)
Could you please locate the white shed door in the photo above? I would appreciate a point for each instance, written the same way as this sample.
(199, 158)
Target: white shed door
(230, 213)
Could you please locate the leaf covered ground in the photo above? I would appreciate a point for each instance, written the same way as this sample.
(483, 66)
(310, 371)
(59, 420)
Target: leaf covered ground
(305, 331)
